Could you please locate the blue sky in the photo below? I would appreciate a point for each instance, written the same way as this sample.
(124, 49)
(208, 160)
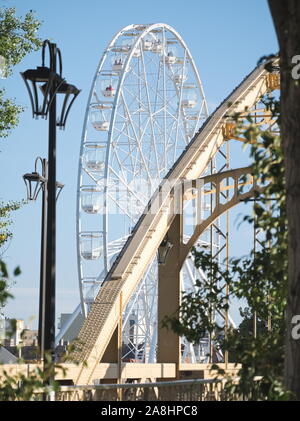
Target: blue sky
(226, 39)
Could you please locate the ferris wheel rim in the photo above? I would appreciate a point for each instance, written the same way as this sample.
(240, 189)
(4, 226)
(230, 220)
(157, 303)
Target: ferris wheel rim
(147, 29)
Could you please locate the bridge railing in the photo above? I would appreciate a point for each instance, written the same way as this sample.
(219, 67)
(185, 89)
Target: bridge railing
(180, 390)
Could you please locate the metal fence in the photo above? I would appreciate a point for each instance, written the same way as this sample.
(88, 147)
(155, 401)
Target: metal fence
(180, 390)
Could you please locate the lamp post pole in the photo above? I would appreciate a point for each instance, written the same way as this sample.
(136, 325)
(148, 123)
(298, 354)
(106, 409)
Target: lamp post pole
(49, 290)
(41, 328)
(34, 183)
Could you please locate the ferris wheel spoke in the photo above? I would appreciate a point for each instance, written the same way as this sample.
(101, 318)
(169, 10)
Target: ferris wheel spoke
(115, 158)
(114, 247)
(179, 111)
(136, 139)
(129, 188)
(142, 134)
(131, 155)
(134, 100)
(123, 210)
(156, 93)
(121, 161)
(150, 113)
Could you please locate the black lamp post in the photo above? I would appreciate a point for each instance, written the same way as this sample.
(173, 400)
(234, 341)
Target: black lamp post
(50, 83)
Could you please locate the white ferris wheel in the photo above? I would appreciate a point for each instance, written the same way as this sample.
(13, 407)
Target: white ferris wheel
(145, 105)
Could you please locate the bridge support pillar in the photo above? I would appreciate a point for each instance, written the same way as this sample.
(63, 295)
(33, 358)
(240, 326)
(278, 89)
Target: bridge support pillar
(169, 288)
(111, 354)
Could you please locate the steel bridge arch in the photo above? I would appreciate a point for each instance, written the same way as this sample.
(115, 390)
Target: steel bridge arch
(220, 208)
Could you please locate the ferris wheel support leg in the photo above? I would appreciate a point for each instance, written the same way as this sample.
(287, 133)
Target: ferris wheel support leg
(169, 287)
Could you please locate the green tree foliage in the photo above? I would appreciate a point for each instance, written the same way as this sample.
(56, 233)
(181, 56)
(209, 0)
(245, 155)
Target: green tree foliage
(5, 236)
(259, 278)
(18, 37)
(9, 114)
(5, 210)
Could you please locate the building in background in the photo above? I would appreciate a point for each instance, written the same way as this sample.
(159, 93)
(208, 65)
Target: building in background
(11, 331)
(17, 341)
